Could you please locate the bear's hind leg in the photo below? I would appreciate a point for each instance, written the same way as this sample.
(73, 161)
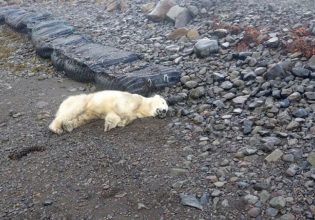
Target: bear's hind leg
(111, 121)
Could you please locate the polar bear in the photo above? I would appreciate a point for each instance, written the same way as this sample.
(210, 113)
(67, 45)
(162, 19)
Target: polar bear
(117, 108)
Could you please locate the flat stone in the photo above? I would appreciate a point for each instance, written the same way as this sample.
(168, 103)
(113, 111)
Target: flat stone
(277, 202)
(174, 12)
(240, 100)
(311, 158)
(311, 62)
(310, 95)
(274, 156)
(190, 200)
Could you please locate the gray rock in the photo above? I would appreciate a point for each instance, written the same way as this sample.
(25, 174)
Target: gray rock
(311, 158)
(240, 100)
(251, 199)
(275, 71)
(296, 96)
(254, 212)
(216, 193)
(190, 200)
(277, 202)
(178, 171)
(221, 32)
(271, 141)
(47, 202)
(191, 84)
(311, 62)
(264, 196)
(293, 125)
(194, 11)
(227, 85)
(310, 95)
(260, 70)
(249, 76)
(292, 170)
(287, 216)
(272, 212)
(273, 42)
(301, 72)
(274, 156)
(204, 47)
(197, 92)
(300, 113)
(247, 126)
(174, 12)
(183, 18)
(204, 200)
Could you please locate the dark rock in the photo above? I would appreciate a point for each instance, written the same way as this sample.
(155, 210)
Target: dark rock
(300, 113)
(204, 47)
(301, 72)
(275, 71)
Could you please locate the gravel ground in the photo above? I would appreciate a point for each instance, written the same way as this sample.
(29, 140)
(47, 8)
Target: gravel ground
(238, 144)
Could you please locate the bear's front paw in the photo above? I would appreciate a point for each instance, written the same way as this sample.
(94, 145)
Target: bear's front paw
(68, 126)
(55, 130)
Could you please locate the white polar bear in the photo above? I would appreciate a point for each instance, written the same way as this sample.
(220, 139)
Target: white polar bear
(117, 108)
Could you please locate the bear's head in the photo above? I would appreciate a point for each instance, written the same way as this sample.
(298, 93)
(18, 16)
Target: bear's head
(159, 106)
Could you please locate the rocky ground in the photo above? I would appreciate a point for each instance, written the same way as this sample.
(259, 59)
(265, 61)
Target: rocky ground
(239, 140)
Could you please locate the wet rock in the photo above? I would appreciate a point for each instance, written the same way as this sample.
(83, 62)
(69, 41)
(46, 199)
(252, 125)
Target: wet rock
(161, 9)
(190, 200)
(204, 47)
(277, 202)
(274, 156)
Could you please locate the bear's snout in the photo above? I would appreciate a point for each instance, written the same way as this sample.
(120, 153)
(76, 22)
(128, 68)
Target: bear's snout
(161, 113)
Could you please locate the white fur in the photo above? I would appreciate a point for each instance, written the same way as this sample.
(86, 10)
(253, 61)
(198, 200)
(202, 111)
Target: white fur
(117, 108)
